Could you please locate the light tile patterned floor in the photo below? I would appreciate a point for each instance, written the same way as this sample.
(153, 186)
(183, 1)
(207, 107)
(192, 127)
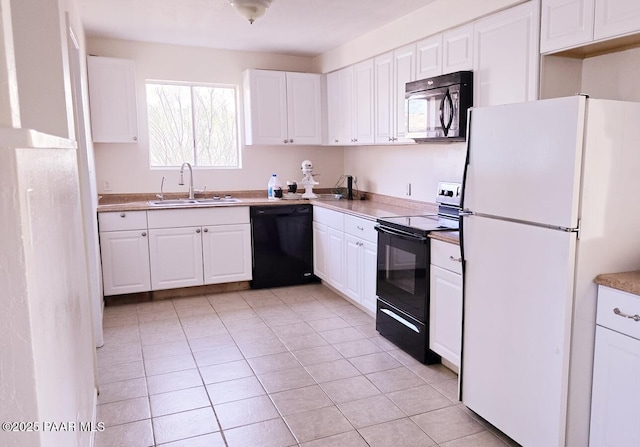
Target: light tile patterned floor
(295, 366)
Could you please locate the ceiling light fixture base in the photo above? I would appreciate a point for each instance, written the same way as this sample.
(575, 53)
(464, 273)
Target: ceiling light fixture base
(251, 9)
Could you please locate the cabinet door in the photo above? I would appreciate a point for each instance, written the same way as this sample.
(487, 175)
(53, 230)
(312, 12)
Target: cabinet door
(265, 107)
(353, 265)
(112, 94)
(384, 98)
(616, 17)
(506, 57)
(363, 102)
(445, 314)
(345, 106)
(333, 108)
(457, 49)
(615, 404)
(304, 109)
(226, 252)
(176, 257)
(369, 275)
(565, 23)
(320, 247)
(335, 258)
(429, 57)
(404, 68)
(125, 262)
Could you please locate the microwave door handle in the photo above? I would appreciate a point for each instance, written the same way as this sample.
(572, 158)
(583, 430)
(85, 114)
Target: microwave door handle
(444, 128)
(451, 111)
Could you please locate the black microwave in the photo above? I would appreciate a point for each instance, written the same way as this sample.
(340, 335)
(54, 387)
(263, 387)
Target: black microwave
(436, 108)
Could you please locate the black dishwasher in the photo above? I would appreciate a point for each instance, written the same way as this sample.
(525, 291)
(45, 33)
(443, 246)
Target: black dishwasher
(282, 237)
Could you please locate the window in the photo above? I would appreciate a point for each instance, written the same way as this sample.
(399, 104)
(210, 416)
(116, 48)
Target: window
(192, 123)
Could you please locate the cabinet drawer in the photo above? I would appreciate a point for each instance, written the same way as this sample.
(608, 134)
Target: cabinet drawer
(197, 217)
(124, 220)
(362, 228)
(446, 256)
(629, 304)
(333, 219)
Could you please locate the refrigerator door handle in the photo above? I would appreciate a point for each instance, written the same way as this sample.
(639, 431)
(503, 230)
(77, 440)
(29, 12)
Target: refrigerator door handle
(465, 213)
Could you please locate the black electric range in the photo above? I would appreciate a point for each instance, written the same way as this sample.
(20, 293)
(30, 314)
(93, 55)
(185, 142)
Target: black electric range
(402, 282)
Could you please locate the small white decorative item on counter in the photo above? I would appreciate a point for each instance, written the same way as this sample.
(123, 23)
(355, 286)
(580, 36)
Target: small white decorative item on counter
(307, 180)
(273, 188)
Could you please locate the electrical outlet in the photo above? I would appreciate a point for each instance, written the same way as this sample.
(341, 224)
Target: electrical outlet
(107, 185)
(408, 189)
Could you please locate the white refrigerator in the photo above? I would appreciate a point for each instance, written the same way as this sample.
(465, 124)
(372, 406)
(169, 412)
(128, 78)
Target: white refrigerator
(550, 200)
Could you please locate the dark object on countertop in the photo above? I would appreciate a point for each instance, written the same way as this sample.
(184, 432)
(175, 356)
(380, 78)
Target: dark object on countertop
(282, 245)
(349, 187)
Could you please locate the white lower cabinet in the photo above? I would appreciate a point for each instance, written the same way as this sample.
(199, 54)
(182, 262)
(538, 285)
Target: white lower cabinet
(226, 252)
(193, 247)
(615, 402)
(124, 248)
(345, 254)
(445, 309)
(176, 257)
(360, 261)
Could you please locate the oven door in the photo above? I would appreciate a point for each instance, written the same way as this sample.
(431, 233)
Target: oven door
(434, 113)
(403, 260)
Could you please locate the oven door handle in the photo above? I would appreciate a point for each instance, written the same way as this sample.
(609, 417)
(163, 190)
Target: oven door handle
(401, 234)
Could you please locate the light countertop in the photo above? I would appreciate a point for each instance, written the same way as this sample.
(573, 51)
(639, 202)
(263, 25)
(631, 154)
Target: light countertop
(625, 281)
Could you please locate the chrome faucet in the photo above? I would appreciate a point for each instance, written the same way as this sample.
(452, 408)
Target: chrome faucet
(181, 181)
(161, 195)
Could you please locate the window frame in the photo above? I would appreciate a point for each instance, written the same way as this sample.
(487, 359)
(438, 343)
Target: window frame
(191, 85)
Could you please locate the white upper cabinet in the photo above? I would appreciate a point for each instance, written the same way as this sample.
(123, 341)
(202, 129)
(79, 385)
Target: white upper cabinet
(304, 108)
(457, 49)
(282, 107)
(571, 23)
(350, 105)
(565, 23)
(616, 17)
(363, 102)
(392, 71)
(429, 57)
(506, 56)
(340, 106)
(112, 100)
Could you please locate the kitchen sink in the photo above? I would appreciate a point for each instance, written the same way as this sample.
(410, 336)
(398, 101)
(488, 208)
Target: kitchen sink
(179, 202)
(172, 202)
(219, 200)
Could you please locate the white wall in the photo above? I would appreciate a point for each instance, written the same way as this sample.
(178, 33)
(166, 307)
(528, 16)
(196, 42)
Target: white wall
(387, 169)
(126, 166)
(613, 76)
(46, 342)
(43, 91)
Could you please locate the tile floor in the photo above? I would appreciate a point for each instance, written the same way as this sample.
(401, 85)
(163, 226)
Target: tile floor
(295, 366)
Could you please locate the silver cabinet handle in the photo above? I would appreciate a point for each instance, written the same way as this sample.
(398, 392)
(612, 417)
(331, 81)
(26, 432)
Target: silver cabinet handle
(198, 230)
(135, 138)
(123, 215)
(359, 227)
(336, 140)
(144, 233)
(206, 230)
(290, 140)
(618, 312)
(455, 259)
(285, 141)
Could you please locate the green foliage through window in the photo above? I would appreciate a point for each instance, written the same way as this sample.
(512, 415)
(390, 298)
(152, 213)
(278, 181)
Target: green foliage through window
(192, 123)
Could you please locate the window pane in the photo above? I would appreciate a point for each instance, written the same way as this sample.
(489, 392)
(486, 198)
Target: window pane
(216, 130)
(170, 125)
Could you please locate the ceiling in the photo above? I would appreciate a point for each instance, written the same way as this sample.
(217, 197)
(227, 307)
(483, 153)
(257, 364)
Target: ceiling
(295, 27)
